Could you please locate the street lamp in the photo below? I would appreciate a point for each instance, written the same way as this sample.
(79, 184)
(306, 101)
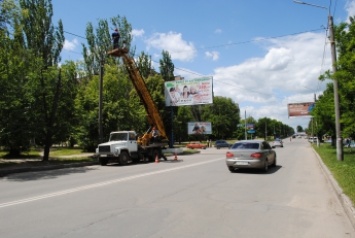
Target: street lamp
(339, 141)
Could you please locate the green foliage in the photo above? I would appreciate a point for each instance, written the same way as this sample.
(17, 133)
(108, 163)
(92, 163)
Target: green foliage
(99, 43)
(345, 75)
(40, 34)
(224, 115)
(266, 127)
(14, 96)
(144, 65)
(182, 117)
(166, 66)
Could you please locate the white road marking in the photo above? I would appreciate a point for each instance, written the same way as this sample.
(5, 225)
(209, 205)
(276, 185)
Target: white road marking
(96, 185)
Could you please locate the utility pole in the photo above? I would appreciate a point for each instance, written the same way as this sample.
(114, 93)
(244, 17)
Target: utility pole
(339, 142)
(245, 122)
(100, 100)
(339, 139)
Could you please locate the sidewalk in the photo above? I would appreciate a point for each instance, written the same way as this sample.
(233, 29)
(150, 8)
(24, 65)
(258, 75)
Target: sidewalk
(343, 198)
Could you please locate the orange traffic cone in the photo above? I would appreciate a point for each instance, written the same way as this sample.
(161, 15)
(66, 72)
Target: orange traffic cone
(156, 158)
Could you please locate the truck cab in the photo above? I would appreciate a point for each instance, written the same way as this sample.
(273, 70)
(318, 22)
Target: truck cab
(122, 147)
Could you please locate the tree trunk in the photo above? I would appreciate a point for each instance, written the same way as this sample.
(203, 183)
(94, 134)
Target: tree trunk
(334, 139)
(47, 146)
(46, 152)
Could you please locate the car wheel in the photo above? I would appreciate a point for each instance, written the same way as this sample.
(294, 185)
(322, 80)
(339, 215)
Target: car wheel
(274, 164)
(266, 166)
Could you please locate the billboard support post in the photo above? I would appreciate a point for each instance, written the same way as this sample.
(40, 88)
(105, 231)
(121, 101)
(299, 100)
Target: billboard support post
(171, 141)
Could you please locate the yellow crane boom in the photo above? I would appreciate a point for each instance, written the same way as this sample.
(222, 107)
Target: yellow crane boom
(153, 114)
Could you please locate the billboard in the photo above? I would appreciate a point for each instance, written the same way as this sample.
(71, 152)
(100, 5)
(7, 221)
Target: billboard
(199, 128)
(300, 109)
(188, 92)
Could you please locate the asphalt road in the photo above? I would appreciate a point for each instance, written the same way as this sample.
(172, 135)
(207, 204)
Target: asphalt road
(194, 197)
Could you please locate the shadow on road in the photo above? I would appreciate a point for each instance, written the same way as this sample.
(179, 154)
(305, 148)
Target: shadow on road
(258, 171)
(47, 174)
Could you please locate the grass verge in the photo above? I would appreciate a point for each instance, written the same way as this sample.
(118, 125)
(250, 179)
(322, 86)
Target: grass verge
(57, 156)
(343, 171)
(33, 158)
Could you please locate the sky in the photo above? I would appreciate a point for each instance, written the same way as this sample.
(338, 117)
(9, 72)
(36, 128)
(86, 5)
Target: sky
(263, 54)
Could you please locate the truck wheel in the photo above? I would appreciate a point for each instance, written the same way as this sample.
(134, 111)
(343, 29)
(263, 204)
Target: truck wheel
(124, 157)
(103, 161)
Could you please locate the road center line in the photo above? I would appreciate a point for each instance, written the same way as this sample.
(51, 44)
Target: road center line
(96, 185)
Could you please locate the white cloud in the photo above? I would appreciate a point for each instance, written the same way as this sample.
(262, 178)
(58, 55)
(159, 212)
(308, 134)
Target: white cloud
(70, 45)
(218, 31)
(214, 55)
(350, 8)
(287, 73)
(137, 33)
(172, 42)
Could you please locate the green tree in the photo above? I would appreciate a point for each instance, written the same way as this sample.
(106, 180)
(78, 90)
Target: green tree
(167, 73)
(166, 67)
(144, 64)
(224, 115)
(99, 43)
(183, 116)
(345, 75)
(299, 128)
(15, 134)
(40, 35)
(263, 128)
(15, 106)
(52, 89)
(119, 108)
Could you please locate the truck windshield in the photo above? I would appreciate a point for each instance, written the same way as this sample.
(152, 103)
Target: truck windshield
(118, 136)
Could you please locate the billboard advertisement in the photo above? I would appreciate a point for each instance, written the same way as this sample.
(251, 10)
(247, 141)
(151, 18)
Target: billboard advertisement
(189, 92)
(300, 109)
(199, 128)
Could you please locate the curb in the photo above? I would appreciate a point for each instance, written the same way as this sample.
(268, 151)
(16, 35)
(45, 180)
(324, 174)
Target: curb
(4, 172)
(343, 198)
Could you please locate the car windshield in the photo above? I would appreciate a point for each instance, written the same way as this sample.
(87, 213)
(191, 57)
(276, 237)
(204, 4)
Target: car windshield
(245, 145)
(118, 136)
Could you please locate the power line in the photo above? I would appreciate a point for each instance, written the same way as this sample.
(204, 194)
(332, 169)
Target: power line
(224, 45)
(69, 33)
(264, 38)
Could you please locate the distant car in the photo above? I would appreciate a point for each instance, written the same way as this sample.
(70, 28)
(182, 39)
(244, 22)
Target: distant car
(221, 144)
(250, 154)
(313, 139)
(277, 143)
(196, 145)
